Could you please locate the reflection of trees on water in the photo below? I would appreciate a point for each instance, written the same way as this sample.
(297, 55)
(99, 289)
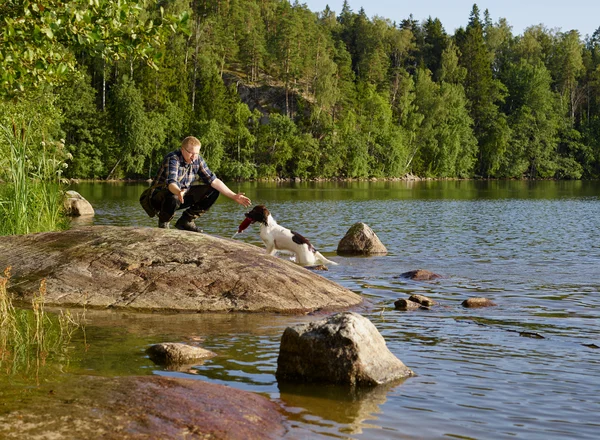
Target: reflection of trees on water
(320, 404)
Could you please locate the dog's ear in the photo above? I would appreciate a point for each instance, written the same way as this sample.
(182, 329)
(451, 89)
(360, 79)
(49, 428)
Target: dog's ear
(264, 213)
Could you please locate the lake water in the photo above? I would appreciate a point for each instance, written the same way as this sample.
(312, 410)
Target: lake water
(531, 247)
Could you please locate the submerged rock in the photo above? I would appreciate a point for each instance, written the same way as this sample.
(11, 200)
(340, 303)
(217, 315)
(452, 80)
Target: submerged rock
(172, 353)
(415, 302)
(317, 267)
(152, 269)
(76, 205)
(406, 304)
(343, 349)
(477, 302)
(420, 275)
(534, 335)
(360, 240)
(422, 299)
(148, 407)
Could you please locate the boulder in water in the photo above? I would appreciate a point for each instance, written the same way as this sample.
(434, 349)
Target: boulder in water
(76, 205)
(345, 348)
(360, 240)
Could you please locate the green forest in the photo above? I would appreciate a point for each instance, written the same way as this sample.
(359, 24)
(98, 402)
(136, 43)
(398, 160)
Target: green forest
(100, 89)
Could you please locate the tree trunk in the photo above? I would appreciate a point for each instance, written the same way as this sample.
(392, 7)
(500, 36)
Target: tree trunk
(113, 169)
(197, 38)
(103, 83)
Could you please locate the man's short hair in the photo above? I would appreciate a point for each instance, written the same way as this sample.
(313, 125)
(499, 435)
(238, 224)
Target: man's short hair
(191, 141)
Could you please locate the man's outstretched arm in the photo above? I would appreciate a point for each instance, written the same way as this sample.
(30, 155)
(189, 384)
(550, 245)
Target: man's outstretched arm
(240, 198)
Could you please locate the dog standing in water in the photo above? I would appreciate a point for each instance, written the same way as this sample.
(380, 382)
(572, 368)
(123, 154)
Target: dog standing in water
(278, 238)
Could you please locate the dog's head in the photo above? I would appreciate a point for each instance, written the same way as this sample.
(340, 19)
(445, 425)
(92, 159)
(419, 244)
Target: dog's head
(259, 214)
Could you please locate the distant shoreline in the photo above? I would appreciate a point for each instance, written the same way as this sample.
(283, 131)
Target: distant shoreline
(407, 178)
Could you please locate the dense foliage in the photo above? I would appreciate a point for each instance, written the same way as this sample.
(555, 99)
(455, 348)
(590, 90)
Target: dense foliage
(276, 90)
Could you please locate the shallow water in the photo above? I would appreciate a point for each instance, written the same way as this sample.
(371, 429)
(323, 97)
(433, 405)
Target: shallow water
(531, 247)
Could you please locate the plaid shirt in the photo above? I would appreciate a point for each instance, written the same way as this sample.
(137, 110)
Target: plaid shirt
(174, 169)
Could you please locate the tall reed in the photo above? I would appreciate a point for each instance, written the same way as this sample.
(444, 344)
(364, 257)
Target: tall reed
(31, 200)
(8, 322)
(15, 207)
(27, 337)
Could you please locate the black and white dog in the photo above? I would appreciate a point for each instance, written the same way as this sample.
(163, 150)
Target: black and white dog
(278, 238)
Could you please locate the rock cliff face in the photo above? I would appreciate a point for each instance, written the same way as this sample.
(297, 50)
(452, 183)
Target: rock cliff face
(151, 269)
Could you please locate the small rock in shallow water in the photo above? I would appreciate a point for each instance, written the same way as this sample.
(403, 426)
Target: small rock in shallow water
(531, 335)
(405, 304)
(420, 275)
(477, 302)
(422, 299)
(171, 353)
(318, 267)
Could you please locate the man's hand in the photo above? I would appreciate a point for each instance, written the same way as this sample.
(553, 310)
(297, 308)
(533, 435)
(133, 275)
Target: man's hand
(242, 199)
(177, 191)
(181, 194)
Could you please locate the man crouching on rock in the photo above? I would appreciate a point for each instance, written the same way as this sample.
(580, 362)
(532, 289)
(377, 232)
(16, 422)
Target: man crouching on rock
(174, 188)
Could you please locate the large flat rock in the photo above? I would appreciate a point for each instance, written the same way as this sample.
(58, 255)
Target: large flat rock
(139, 408)
(151, 269)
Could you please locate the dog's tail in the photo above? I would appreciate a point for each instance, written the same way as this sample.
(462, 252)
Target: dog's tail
(324, 260)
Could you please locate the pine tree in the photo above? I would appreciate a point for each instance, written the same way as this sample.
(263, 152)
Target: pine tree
(484, 93)
(435, 42)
